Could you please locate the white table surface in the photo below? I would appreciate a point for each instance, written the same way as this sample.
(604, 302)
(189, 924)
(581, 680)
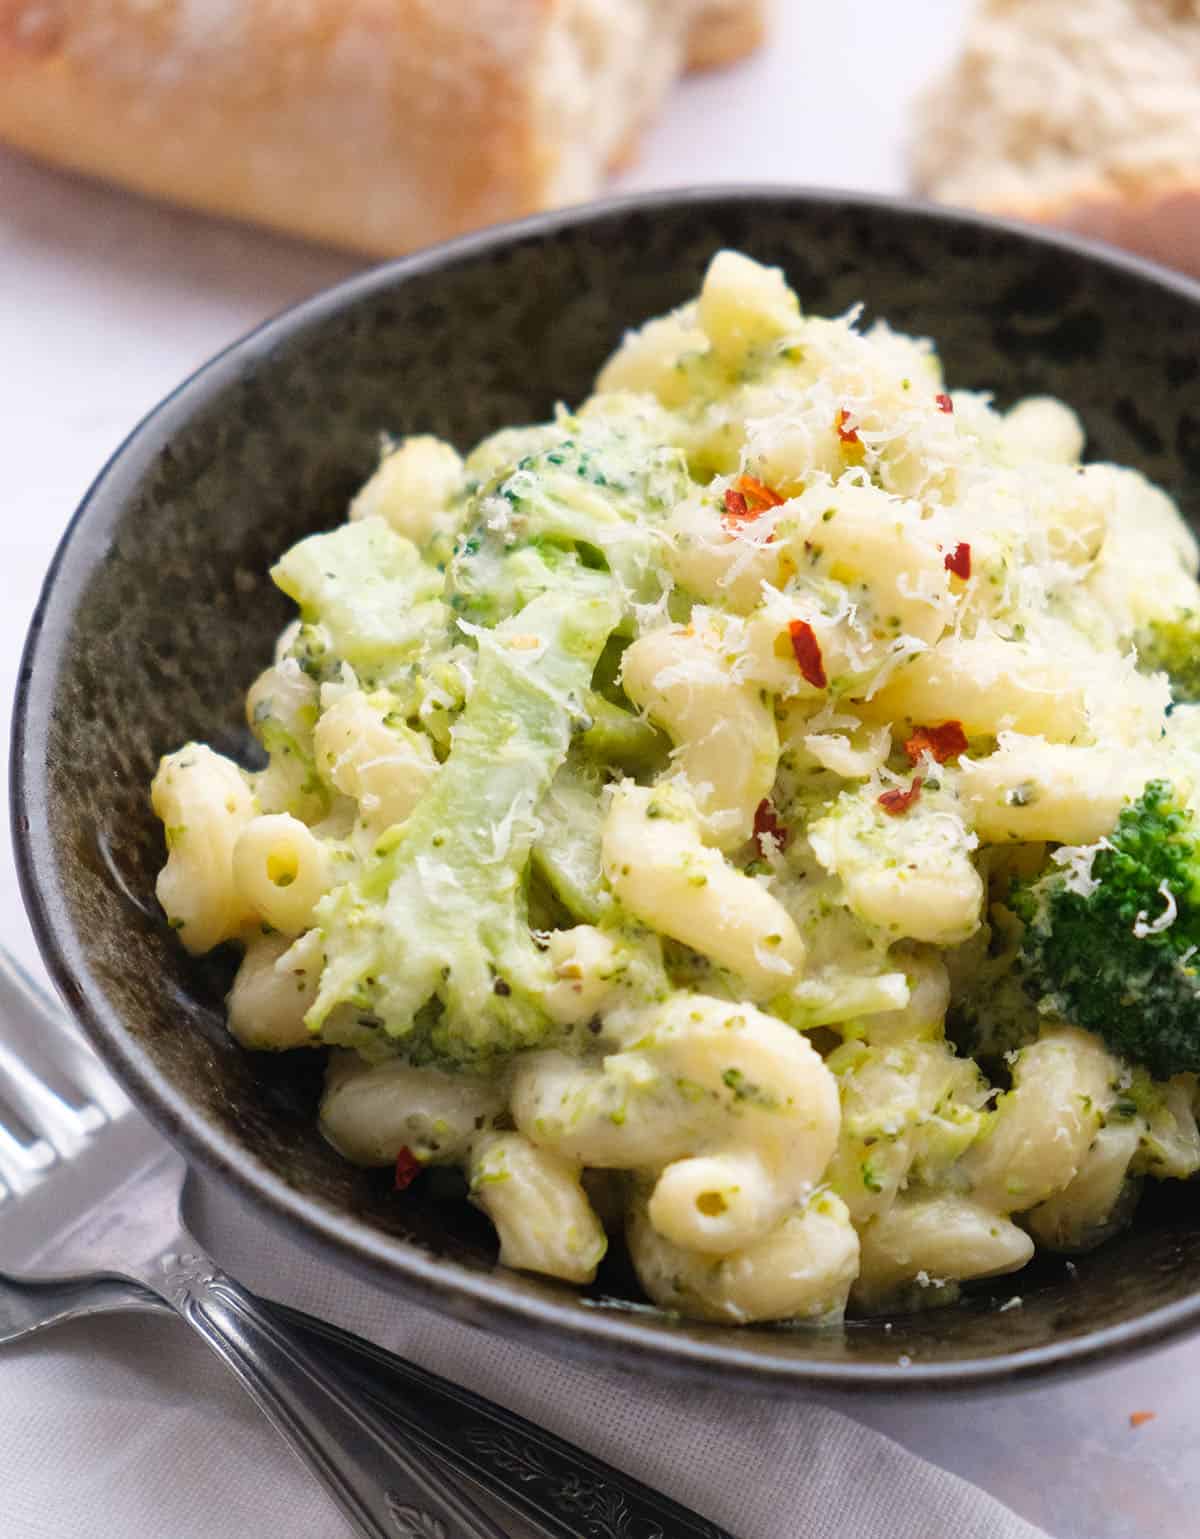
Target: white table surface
(107, 301)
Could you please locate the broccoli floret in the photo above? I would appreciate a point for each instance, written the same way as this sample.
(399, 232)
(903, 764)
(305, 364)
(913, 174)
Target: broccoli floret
(1173, 647)
(1113, 933)
(583, 499)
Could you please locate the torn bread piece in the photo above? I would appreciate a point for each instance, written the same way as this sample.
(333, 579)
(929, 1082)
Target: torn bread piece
(1085, 116)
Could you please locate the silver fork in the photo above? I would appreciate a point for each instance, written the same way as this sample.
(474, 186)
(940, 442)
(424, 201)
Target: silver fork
(395, 1446)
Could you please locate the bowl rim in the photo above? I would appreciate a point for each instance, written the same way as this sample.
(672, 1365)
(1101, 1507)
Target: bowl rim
(480, 1298)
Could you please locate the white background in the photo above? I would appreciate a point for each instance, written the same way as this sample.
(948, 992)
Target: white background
(107, 301)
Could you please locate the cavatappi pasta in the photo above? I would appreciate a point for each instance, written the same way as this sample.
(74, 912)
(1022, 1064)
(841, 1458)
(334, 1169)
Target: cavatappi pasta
(640, 799)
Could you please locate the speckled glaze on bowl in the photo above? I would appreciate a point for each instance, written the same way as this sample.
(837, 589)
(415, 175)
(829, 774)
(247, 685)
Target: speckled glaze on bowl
(158, 612)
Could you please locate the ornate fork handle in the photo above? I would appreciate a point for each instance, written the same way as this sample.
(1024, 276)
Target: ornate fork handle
(386, 1482)
(552, 1484)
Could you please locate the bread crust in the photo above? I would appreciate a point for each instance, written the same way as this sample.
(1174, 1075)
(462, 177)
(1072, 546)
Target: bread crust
(1160, 221)
(292, 116)
(379, 124)
(725, 31)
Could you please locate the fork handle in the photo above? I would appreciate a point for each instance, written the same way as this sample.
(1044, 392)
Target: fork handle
(396, 1445)
(387, 1484)
(552, 1485)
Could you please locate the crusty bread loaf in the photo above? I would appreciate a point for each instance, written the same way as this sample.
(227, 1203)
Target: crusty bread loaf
(378, 124)
(1083, 114)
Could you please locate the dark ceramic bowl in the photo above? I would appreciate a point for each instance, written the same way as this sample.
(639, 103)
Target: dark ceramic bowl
(158, 613)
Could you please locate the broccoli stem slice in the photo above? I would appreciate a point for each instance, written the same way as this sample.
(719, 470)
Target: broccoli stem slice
(618, 736)
(369, 587)
(567, 852)
(439, 911)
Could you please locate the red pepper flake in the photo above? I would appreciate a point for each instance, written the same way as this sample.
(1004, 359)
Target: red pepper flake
(746, 499)
(959, 561)
(736, 507)
(896, 803)
(848, 435)
(767, 827)
(1140, 1418)
(758, 494)
(943, 402)
(408, 1168)
(807, 650)
(944, 742)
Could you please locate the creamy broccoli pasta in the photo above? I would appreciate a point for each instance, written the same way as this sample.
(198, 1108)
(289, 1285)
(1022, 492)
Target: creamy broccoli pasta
(749, 816)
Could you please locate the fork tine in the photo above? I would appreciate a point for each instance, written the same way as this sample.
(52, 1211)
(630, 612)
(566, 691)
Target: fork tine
(15, 1123)
(29, 1107)
(69, 1091)
(24, 1155)
(23, 1160)
(54, 1093)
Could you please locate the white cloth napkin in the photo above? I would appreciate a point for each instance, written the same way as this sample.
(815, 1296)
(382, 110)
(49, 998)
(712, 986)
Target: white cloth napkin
(127, 1428)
